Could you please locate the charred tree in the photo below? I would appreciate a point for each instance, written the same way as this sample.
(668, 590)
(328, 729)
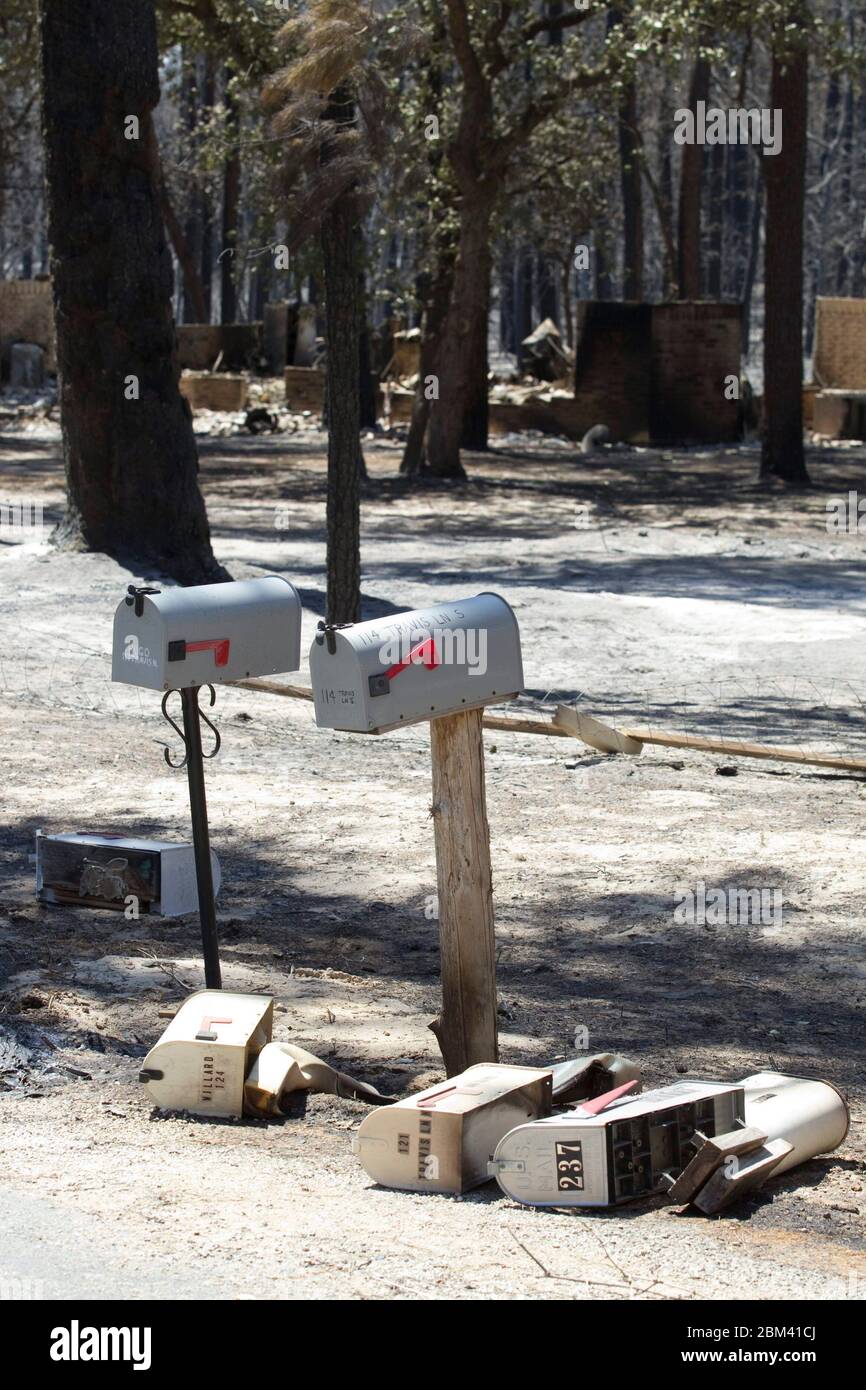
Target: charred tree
(231, 207)
(129, 450)
(691, 173)
(782, 454)
(340, 240)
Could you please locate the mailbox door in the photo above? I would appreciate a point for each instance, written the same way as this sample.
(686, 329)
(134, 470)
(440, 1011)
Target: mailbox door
(376, 676)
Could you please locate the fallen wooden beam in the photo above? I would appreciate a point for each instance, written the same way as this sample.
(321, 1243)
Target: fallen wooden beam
(607, 740)
(489, 721)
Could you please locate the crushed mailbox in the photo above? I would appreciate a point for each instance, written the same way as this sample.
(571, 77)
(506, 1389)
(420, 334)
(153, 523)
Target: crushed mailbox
(371, 677)
(172, 639)
(623, 1152)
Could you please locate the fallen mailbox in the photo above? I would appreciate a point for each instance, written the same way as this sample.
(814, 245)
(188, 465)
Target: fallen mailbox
(105, 870)
(441, 1139)
(626, 1150)
(709, 1143)
(201, 1061)
(217, 1058)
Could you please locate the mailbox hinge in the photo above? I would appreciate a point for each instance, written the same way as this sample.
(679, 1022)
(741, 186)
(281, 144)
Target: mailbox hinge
(136, 595)
(325, 633)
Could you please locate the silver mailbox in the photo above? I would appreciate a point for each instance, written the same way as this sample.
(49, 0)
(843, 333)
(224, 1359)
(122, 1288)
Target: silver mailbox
(173, 639)
(371, 677)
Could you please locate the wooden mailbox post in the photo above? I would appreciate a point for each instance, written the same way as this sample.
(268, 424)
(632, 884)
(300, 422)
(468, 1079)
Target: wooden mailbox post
(442, 666)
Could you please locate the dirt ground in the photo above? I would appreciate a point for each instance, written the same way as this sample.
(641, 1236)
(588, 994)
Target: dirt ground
(649, 586)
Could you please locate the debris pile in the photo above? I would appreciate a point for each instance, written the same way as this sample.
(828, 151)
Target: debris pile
(576, 1134)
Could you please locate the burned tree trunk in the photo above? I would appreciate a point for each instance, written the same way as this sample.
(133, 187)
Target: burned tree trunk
(632, 194)
(231, 205)
(476, 421)
(341, 257)
(129, 449)
(435, 310)
(782, 453)
(462, 345)
(690, 194)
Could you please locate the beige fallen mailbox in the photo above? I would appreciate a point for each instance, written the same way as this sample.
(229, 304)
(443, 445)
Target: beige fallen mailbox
(443, 1139)
(370, 677)
(172, 639)
(201, 1061)
(441, 665)
(182, 639)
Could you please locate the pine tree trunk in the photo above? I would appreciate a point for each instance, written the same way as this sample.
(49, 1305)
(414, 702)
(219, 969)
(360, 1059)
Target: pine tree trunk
(632, 195)
(477, 418)
(690, 194)
(435, 310)
(129, 449)
(715, 227)
(208, 220)
(230, 272)
(785, 181)
(341, 260)
(463, 339)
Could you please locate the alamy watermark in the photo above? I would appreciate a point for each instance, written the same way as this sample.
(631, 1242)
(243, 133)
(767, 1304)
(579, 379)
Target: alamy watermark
(463, 646)
(713, 126)
(21, 520)
(698, 905)
(846, 514)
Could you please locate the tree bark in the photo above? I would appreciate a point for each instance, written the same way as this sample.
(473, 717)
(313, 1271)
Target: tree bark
(752, 259)
(477, 417)
(231, 205)
(715, 221)
(208, 220)
(341, 259)
(129, 449)
(463, 337)
(782, 453)
(435, 310)
(689, 269)
(193, 290)
(632, 200)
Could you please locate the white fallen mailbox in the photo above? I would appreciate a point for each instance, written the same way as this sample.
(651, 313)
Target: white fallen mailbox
(174, 639)
(370, 677)
(591, 1157)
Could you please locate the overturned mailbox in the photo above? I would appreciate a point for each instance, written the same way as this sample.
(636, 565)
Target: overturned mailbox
(628, 1149)
(374, 676)
(174, 639)
(216, 1058)
(810, 1114)
(107, 870)
(441, 1139)
(201, 1061)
